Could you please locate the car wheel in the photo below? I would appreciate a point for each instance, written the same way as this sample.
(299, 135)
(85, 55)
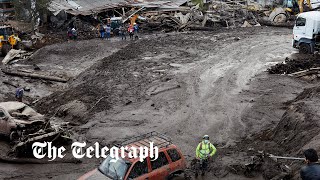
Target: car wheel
(14, 136)
(304, 48)
(5, 49)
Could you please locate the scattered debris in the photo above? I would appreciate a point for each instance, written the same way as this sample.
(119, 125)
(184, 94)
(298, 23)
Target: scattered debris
(307, 68)
(14, 53)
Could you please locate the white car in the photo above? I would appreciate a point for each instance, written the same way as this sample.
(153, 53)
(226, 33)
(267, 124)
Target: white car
(16, 115)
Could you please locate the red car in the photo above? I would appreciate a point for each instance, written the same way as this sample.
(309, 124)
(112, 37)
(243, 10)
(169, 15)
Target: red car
(169, 163)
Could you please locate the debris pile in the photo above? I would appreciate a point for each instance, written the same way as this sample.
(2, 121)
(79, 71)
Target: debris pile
(221, 14)
(308, 68)
(16, 54)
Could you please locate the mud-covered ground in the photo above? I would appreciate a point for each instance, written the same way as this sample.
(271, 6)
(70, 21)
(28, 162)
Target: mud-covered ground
(182, 84)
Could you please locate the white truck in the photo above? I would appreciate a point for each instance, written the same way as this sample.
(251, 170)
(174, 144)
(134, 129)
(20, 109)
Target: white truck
(306, 32)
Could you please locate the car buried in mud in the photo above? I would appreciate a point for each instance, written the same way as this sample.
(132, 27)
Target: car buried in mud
(170, 162)
(16, 117)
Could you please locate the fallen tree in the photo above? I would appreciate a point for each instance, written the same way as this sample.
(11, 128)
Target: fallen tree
(33, 75)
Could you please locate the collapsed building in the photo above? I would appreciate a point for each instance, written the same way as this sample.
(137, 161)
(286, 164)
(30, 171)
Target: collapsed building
(6, 9)
(153, 15)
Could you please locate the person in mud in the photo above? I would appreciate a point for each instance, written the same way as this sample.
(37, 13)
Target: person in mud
(74, 34)
(122, 32)
(108, 31)
(205, 150)
(131, 31)
(102, 31)
(69, 33)
(19, 94)
(312, 170)
(136, 30)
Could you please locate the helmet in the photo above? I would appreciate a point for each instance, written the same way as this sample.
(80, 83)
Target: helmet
(205, 137)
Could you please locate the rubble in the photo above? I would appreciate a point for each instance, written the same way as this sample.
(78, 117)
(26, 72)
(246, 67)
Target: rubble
(301, 67)
(14, 53)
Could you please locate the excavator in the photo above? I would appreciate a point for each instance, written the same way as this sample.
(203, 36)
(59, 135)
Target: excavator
(291, 8)
(8, 40)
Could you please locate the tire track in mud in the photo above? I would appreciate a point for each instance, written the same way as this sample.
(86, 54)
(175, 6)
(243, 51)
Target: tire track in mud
(218, 80)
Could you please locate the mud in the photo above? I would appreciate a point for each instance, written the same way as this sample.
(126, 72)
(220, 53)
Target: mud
(184, 85)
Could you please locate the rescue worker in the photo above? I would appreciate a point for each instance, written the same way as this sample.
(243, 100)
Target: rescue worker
(312, 170)
(136, 30)
(131, 31)
(122, 32)
(19, 94)
(102, 31)
(205, 150)
(69, 33)
(74, 33)
(108, 31)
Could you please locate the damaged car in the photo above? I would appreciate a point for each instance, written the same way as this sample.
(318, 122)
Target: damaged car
(17, 117)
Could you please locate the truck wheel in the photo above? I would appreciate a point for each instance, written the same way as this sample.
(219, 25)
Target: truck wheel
(304, 48)
(5, 49)
(280, 18)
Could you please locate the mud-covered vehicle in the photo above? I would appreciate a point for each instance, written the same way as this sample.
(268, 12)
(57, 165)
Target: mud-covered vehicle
(23, 126)
(170, 162)
(16, 117)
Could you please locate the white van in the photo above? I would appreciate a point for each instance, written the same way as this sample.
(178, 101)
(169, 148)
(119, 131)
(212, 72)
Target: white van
(306, 32)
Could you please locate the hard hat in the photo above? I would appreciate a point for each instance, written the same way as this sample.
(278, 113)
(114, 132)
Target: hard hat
(206, 137)
(73, 29)
(134, 23)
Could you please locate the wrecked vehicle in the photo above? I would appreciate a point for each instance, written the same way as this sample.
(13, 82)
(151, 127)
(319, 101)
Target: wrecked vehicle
(16, 117)
(169, 163)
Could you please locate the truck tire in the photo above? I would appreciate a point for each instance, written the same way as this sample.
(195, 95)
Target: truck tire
(304, 48)
(5, 49)
(280, 18)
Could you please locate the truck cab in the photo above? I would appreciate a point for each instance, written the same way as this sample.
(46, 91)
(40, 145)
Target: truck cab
(306, 32)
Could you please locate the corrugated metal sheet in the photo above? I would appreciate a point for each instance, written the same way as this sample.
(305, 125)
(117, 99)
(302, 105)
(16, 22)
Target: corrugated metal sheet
(87, 7)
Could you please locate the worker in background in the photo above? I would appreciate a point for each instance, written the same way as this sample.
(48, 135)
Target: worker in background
(205, 150)
(312, 170)
(69, 33)
(136, 30)
(122, 32)
(108, 31)
(102, 31)
(19, 94)
(131, 31)
(74, 33)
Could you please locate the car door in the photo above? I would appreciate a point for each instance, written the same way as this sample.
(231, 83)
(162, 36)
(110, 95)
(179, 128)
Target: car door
(138, 171)
(160, 168)
(299, 30)
(177, 161)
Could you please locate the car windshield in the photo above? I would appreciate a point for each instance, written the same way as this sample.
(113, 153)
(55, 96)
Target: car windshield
(115, 169)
